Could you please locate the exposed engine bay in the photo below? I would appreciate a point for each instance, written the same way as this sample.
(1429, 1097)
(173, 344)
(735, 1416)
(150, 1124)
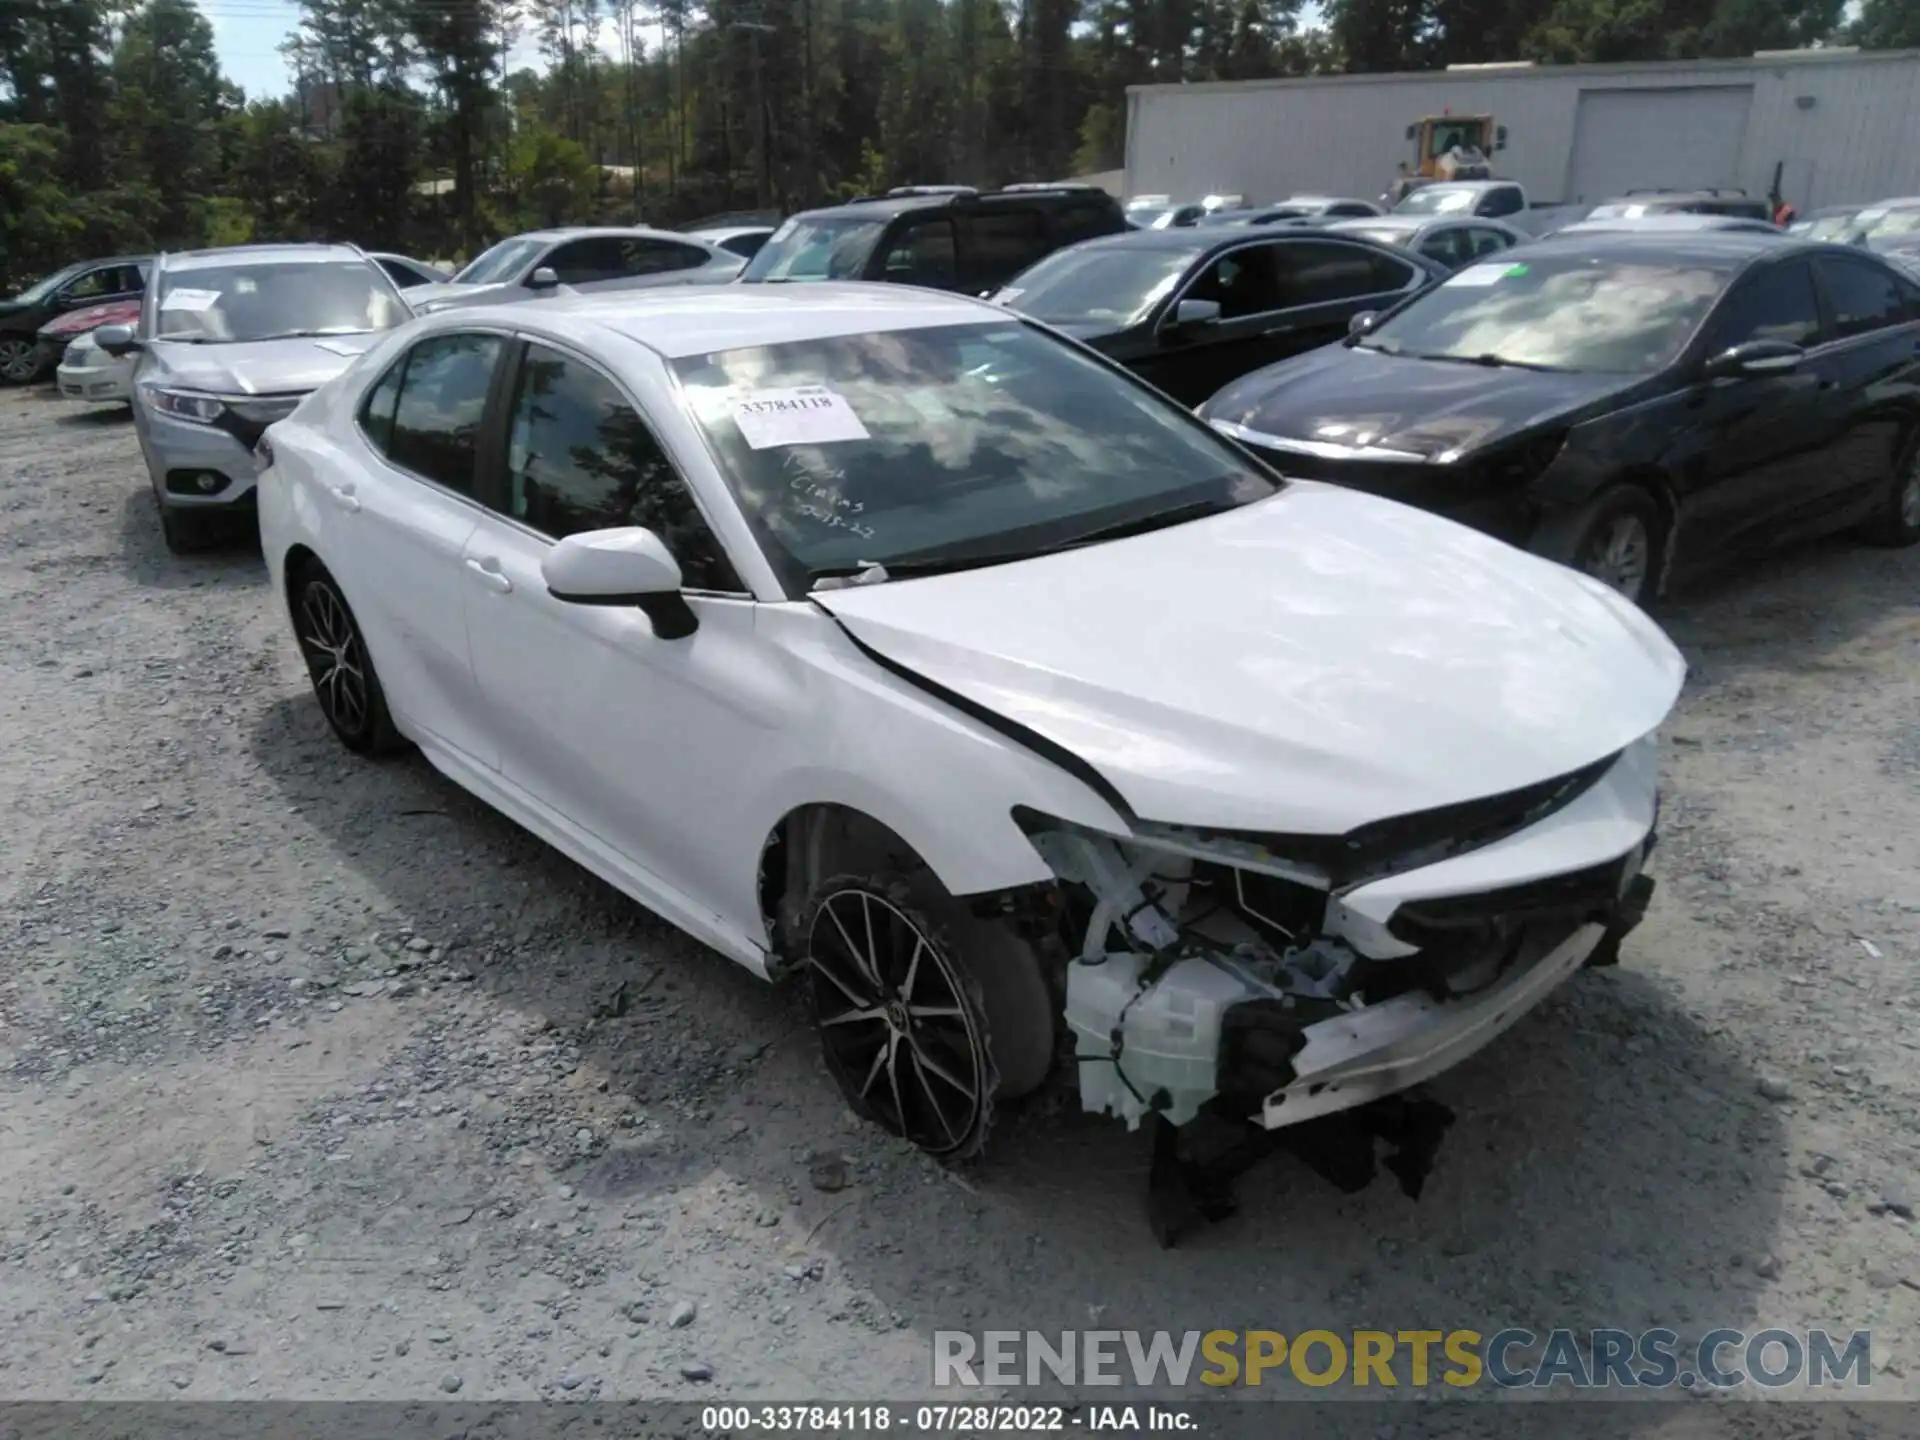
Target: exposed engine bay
(1220, 974)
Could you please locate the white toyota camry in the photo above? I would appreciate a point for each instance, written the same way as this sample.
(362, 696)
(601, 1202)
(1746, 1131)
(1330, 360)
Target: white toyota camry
(885, 637)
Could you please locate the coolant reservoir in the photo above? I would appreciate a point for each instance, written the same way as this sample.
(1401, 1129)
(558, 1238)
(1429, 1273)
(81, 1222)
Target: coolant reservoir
(1170, 1038)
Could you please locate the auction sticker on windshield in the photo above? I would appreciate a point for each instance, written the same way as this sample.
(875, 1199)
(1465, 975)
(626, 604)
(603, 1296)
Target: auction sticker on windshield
(191, 300)
(1477, 275)
(801, 415)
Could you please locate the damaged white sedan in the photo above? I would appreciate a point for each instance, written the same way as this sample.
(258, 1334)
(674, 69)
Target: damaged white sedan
(885, 637)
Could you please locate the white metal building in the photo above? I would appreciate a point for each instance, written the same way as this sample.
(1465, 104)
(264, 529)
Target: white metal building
(1840, 125)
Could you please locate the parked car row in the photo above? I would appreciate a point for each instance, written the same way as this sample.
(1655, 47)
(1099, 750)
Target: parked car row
(1211, 647)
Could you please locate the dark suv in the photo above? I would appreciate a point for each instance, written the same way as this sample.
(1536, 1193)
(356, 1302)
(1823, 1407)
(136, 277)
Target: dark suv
(1684, 202)
(940, 237)
(92, 282)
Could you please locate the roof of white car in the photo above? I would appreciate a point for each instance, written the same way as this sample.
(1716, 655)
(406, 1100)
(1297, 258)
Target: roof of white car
(686, 320)
(231, 255)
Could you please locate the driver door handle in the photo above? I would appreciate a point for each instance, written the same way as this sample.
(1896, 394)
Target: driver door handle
(490, 576)
(343, 497)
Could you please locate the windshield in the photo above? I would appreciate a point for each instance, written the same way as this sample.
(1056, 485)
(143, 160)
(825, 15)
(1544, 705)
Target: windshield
(1891, 222)
(1107, 284)
(824, 247)
(503, 262)
(1438, 200)
(214, 304)
(1829, 227)
(981, 442)
(1561, 312)
(41, 289)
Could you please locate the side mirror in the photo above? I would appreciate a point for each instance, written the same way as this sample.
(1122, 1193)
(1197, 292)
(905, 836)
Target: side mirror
(544, 278)
(1500, 138)
(1190, 314)
(1363, 323)
(1755, 359)
(116, 340)
(625, 567)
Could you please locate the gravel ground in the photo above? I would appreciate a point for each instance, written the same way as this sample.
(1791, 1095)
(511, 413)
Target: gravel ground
(319, 1080)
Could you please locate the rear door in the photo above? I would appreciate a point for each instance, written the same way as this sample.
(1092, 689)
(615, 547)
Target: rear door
(921, 250)
(1869, 369)
(1757, 446)
(403, 528)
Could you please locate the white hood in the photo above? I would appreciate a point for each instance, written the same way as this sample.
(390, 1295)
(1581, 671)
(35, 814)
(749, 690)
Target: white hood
(1303, 665)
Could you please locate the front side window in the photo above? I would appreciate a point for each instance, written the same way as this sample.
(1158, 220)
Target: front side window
(621, 257)
(923, 253)
(961, 444)
(438, 412)
(1241, 282)
(1559, 312)
(1864, 297)
(1099, 284)
(819, 247)
(579, 458)
(218, 304)
(1777, 304)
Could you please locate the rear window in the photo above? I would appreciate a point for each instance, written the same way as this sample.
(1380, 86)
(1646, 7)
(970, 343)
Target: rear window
(817, 247)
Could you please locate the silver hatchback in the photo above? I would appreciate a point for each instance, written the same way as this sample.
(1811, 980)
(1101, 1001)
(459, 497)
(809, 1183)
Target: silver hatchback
(229, 341)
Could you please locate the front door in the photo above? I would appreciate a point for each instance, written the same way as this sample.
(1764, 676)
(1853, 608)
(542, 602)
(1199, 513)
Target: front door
(596, 717)
(1754, 447)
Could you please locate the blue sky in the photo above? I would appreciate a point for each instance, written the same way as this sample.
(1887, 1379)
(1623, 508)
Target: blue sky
(248, 35)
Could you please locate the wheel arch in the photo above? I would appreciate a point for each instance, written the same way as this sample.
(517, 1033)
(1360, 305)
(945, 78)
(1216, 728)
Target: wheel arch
(1556, 536)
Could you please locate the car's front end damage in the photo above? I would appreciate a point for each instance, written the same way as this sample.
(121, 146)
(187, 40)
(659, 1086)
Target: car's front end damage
(1371, 785)
(1283, 981)
(1296, 977)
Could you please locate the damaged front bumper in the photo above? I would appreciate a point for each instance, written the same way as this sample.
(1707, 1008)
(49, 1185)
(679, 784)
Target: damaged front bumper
(1215, 971)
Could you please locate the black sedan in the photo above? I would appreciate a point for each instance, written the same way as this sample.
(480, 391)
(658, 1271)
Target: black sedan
(1188, 310)
(1638, 406)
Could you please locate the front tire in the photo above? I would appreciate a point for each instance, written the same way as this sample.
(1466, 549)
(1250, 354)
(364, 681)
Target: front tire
(927, 1015)
(1620, 540)
(344, 681)
(1897, 524)
(19, 360)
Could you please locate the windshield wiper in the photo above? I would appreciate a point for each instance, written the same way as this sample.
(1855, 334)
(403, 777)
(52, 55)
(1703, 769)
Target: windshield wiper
(876, 572)
(1489, 360)
(332, 332)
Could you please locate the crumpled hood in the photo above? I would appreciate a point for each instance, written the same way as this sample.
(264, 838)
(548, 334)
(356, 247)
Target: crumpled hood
(1355, 396)
(78, 322)
(264, 367)
(1303, 665)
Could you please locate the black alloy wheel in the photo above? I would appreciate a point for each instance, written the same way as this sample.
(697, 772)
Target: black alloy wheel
(901, 1021)
(343, 678)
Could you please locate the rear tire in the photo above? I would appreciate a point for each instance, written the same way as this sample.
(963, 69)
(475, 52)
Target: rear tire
(1897, 524)
(344, 680)
(927, 1015)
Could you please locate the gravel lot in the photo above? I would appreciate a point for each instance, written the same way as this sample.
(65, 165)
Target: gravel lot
(319, 1080)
